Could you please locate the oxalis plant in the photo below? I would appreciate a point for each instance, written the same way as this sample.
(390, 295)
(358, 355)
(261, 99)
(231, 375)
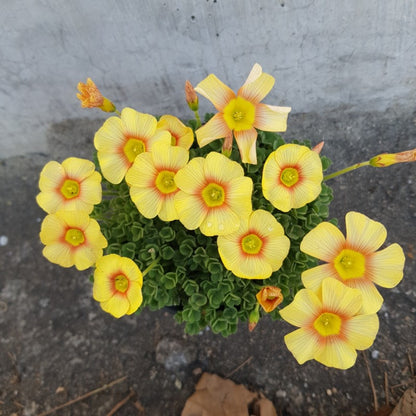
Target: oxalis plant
(221, 220)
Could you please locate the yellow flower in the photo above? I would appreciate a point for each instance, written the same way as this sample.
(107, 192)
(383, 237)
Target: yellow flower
(182, 135)
(73, 185)
(152, 183)
(118, 285)
(354, 260)
(121, 139)
(72, 238)
(256, 249)
(214, 194)
(331, 327)
(241, 114)
(292, 177)
(91, 97)
(387, 159)
(269, 297)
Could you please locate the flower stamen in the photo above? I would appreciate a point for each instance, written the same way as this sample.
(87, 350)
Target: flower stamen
(289, 177)
(328, 324)
(350, 264)
(74, 236)
(213, 195)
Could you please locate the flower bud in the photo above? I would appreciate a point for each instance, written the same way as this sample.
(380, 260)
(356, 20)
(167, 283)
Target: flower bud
(269, 298)
(191, 97)
(253, 318)
(91, 97)
(387, 159)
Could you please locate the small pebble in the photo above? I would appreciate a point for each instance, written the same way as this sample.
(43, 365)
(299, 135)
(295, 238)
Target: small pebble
(329, 392)
(375, 354)
(3, 240)
(178, 384)
(281, 394)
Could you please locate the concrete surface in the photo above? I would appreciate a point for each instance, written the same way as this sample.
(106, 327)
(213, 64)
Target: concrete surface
(56, 344)
(324, 54)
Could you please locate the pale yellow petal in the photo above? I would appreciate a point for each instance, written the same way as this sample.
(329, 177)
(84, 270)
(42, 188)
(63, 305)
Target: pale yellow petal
(303, 344)
(305, 192)
(385, 267)
(238, 196)
(372, 300)
(270, 118)
(229, 249)
(255, 72)
(52, 229)
(215, 91)
(220, 221)
(364, 234)
(252, 267)
(190, 209)
(168, 211)
(303, 310)
(110, 136)
(142, 173)
(221, 169)
(215, 128)
(312, 278)
(91, 190)
(255, 90)
(276, 250)
(246, 142)
(134, 296)
(131, 270)
(94, 236)
(86, 256)
(191, 178)
(51, 176)
(108, 264)
(167, 157)
(50, 202)
(324, 242)
(311, 167)
(340, 299)
(77, 168)
(280, 197)
(103, 288)
(59, 253)
(147, 200)
(336, 353)
(361, 330)
(113, 166)
(160, 136)
(74, 219)
(138, 125)
(118, 305)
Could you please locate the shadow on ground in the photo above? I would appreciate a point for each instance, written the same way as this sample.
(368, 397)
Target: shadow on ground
(56, 344)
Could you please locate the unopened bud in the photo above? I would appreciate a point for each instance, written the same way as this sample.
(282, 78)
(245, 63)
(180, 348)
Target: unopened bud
(269, 297)
(387, 159)
(318, 147)
(253, 318)
(191, 97)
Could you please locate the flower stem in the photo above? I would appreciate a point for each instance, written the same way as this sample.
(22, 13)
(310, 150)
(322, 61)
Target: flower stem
(348, 169)
(198, 119)
(151, 265)
(117, 112)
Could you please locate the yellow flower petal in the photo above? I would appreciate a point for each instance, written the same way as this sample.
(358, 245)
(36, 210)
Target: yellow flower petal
(386, 266)
(258, 87)
(364, 234)
(324, 242)
(135, 297)
(51, 176)
(167, 157)
(85, 257)
(191, 210)
(312, 278)
(182, 135)
(160, 136)
(215, 91)
(77, 168)
(110, 135)
(303, 310)
(147, 200)
(168, 211)
(303, 344)
(340, 299)
(142, 173)
(360, 331)
(103, 288)
(246, 141)
(337, 353)
(118, 305)
(215, 128)
(220, 221)
(137, 124)
(269, 118)
(130, 269)
(191, 178)
(372, 300)
(59, 253)
(113, 166)
(220, 168)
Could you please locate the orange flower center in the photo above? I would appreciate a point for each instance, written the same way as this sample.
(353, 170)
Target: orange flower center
(213, 195)
(132, 148)
(328, 324)
(289, 177)
(239, 114)
(70, 189)
(350, 264)
(121, 283)
(251, 244)
(74, 236)
(165, 182)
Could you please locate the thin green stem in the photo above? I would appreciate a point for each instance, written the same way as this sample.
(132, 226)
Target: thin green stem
(198, 119)
(151, 265)
(348, 169)
(117, 112)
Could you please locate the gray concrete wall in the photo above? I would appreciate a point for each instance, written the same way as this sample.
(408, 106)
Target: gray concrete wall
(324, 54)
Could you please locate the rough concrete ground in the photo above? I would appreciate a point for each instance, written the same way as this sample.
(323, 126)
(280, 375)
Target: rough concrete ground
(56, 344)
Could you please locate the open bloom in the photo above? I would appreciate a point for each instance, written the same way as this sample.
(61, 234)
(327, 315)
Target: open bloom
(182, 135)
(331, 327)
(354, 260)
(118, 285)
(72, 238)
(269, 297)
(241, 114)
(214, 194)
(74, 185)
(121, 139)
(90, 97)
(292, 177)
(152, 183)
(256, 249)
